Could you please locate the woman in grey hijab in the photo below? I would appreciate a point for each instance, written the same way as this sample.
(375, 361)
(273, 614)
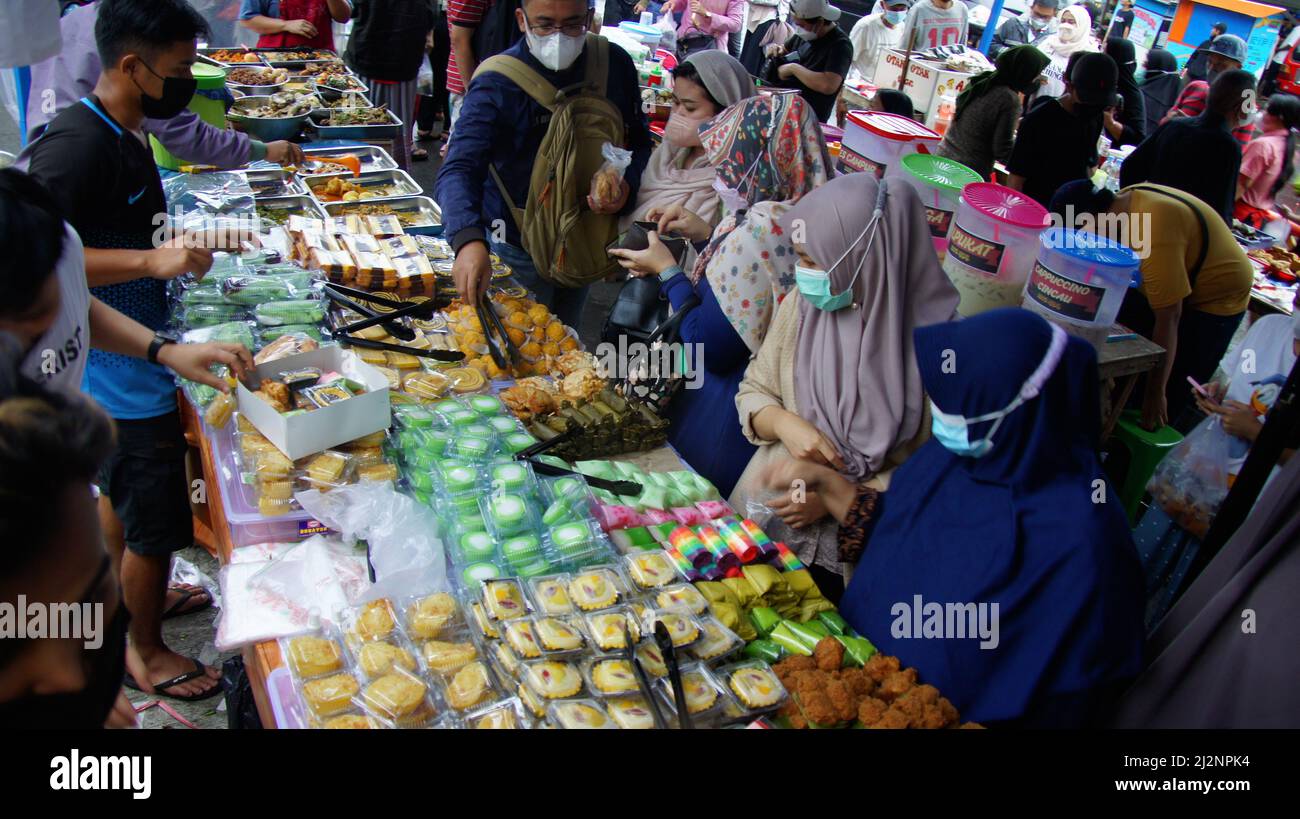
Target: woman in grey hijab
(679, 173)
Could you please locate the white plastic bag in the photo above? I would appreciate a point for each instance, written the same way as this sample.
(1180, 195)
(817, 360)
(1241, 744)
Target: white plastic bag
(424, 79)
(607, 183)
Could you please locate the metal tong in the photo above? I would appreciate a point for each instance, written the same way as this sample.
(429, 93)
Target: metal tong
(530, 454)
(489, 320)
(665, 642)
(642, 679)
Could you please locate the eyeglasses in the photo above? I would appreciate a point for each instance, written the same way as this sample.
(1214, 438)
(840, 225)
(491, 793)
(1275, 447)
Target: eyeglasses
(569, 29)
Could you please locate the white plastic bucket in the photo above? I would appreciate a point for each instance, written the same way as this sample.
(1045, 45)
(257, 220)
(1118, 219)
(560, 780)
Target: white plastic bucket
(1079, 281)
(992, 246)
(876, 140)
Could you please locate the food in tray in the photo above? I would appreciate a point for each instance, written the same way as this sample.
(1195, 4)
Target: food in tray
(376, 620)
(630, 713)
(594, 590)
(326, 696)
(507, 659)
(351, 99)
(329, 65)
(377, 472)
(607, 425)
(444, 657)
(557, 635)
(715, 640)
(234, 55)
(296, 55)
(652, 660)
(553, 680)
(380, 657)
(607, 629)
(552, 596)
(257, 76)
(349, 722)
(426, 617)
(317, 164)
(313, 656)
(681, 628)
(530, 700)
(613, 677)
(502, 716)
(282, 105)
(400, 697)
(701, 695)
(338, 189)
(357, 116)
(683, 596)
(528, 401)
(280, 216)
(522, 639)
(471, 686)
(579, 715)
(409, 218)
(756, 686)
(342, 81)
(650, 570)
(326, 469)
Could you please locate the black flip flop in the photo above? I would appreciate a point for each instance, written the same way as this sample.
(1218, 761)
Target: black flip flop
(160, 689)
(174, 610)
(419, 155)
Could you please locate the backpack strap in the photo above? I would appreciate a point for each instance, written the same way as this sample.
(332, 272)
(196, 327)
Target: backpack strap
(1195, 269)
(519, 73)
(597, 63)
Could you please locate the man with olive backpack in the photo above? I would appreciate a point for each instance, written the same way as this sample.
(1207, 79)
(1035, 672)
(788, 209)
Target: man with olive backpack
(517, 180)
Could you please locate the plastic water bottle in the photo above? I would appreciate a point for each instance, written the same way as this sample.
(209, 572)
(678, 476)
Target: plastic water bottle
(647, 19)
(943, 117)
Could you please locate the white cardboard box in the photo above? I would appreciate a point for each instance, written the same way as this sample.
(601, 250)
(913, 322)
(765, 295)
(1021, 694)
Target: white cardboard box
(309, 432)
(927, 82)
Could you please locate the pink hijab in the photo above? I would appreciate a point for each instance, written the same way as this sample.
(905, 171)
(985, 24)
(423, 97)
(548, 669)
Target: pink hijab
(856, 377)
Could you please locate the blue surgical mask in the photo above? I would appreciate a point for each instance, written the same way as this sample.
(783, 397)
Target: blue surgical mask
(953, 431)
(815, 285)
(895, 17)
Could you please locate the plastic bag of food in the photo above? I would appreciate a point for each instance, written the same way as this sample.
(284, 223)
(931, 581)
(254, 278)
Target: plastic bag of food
(1192, 481)
(253, 290)
(298, 311)
(285, 346)
(607, 183)
(234, 332)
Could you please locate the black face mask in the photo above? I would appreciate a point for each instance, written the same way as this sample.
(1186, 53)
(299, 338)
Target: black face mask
(85, 709)
(177, 93)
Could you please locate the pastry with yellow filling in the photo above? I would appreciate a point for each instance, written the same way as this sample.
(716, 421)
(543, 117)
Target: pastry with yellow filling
(650, 570)
(557, 635)
(445, 658)
(531, 701)
(500, 717)
(681, 628)
(469, 687)
(376, 620)
(506, 658)
(613, 677)
(504, 599)
(426, 617)
(521, 638)
(348, 722)
(715, 640)
(483, 622)
(607, 629)
(652, 660)
(685, 597)
(582, 714)
(400, 697)
(756, 686)
(330, 695)
(552, 597)
(700, 695)
(631, 713)
(593, 590)
(378, 658)
(313, 656)
(553, 680)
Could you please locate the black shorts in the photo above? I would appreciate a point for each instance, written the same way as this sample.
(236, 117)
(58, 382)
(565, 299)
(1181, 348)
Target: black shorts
(145, 481)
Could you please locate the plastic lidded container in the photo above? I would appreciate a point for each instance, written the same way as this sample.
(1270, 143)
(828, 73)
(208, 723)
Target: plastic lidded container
(449, 652)
(610, 676)
(509, 514)
(471, 546)
(472, 686)
(504, 599)
(579, 714)
(992, 246)
(402, 697)
(597, 588)
(428, 616)
(317, 654)
(372, 620)
(521, 636)
(716, 641)
(379, 657)
(553, 679)
(682, 597)
(506, 714)
(560, 636)
(1079, 281)
(874, 141)
(650, 569)
(550, 594)
(606, 628)
(704, 694)
(511, 476)
(754, 686)
(939, 182)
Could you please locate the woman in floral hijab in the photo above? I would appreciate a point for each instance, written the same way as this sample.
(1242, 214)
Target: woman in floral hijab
(769, 153)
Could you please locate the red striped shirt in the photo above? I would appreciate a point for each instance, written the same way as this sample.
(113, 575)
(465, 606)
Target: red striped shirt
(1191, 103)
(466, 13)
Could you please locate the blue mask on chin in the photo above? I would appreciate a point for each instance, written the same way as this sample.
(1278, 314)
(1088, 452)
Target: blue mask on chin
(953, 431)
(815, 285)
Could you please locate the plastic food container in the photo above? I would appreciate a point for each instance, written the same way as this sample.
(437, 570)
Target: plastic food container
(1079, 281)
(648, 36)
(875, 140)
(992, 246)
(938, 181)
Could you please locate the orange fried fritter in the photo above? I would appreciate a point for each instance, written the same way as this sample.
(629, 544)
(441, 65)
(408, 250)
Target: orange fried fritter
(881, 666)
(818, 708)
(797, 662)
(871, 710)
(829, 654)
(896, 684)
(858, 682)
(845, 704)
(891, 719)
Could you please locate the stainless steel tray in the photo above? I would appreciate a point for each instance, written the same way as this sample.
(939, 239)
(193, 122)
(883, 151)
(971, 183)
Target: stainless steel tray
(274, 56)
(273, 183)
(427, 214)
(392, 130)
(208, 52)
(353, 99)
(373, 158)
(305, 204)
(401, 182)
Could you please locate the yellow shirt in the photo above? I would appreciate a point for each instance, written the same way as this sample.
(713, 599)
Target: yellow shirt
(1173, 241)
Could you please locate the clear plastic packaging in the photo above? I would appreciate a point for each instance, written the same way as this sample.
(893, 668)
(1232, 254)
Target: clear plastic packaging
(550, 594)
(650, 570)
(597, 588)
(379, 657)
(607, 628)
(607, 183)
(473, 546)
(610, 676)
(630, 713)
(522, 638)
(559, 636)
(506, 714)
(471, 687)
(704, 694)
(330, 694)
(428, 616)
(504, 599)
(682, 597)
(328, 470)
(512, 477)
(716, 641)
(317, 654)
(754, 686)
(553, 679)
(508, 514)
(449, 653)
(297, 311)
(683, 628)
(579, 714)
(402, 697)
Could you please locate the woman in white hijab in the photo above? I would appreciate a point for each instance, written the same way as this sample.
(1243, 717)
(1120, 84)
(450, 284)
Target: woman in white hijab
(1073, 35)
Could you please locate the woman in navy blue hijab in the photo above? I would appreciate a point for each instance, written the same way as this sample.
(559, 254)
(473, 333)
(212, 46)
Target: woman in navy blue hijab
(1005, 505)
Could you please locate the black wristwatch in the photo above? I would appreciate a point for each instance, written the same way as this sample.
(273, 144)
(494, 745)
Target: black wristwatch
(159, 341)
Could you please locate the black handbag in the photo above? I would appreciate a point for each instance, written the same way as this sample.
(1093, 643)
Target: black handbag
(645, 380)
(637, 312)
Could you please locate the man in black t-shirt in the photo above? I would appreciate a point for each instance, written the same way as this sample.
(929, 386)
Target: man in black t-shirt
(1057, 140)
(816, 60)
(1121, 25)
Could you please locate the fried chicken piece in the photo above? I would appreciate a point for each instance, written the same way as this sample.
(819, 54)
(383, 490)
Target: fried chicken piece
(818, 708)
(798, 662)
(893, 719)
(949, 711)
(808, 682)
(792, 714)
(896, 684)
(927, 694)
(932, 718)
(829, 654)
(858, 682)
(881, 666)
(871, 710)
(845, 704)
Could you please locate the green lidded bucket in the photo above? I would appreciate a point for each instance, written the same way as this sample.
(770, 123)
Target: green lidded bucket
(938, 181)
(209, 102)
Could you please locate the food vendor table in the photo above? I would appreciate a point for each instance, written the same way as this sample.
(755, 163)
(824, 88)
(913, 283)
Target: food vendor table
(1119, 363)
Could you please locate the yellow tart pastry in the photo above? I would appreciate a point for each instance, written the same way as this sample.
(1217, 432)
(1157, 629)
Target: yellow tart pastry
(506, 658)
(630, 713)
(330, 695)
(557, 635)
(399, 697)
(469, 687)
(685, 597)
(553, 680)
(652, 661)
(376, 620)
(593, 590)
(378, 658)
(312, 656)
(757, 687)
(714, 641)
(445, 658)
(426, 617)
(552, 597)
(531, 701)
(607, 629)
(613, 676)
(502, 717)
(503, 599)
(521, 638)
(483, 622)
(682, 630)
(650, 570)
(580, 715)
(700, 696)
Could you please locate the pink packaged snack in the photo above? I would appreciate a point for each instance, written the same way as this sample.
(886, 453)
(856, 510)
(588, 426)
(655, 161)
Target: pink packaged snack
(654, 517)
(617, 517)
(689, 516)
(714, 509)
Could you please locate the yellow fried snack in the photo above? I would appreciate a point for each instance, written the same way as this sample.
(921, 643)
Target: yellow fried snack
(379, 658)
(399, 697)
(312, 656)
(445, 658)
(469, 687)
(330, 695)
(426, 617)
(349, 722)
(376, 620)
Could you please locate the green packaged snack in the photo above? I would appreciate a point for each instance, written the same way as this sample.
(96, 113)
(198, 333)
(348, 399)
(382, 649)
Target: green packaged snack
(765, 650)
(265, 335)
(298, 311)
(256, 290)
(817, 627)
(803, 632)
(784, 637)
(203, 293)
(857, 650)
(765, 619)
(196, 316)
(833, 621)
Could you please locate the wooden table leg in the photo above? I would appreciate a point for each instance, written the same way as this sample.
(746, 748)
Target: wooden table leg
(1118, 406)
(256, 670)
